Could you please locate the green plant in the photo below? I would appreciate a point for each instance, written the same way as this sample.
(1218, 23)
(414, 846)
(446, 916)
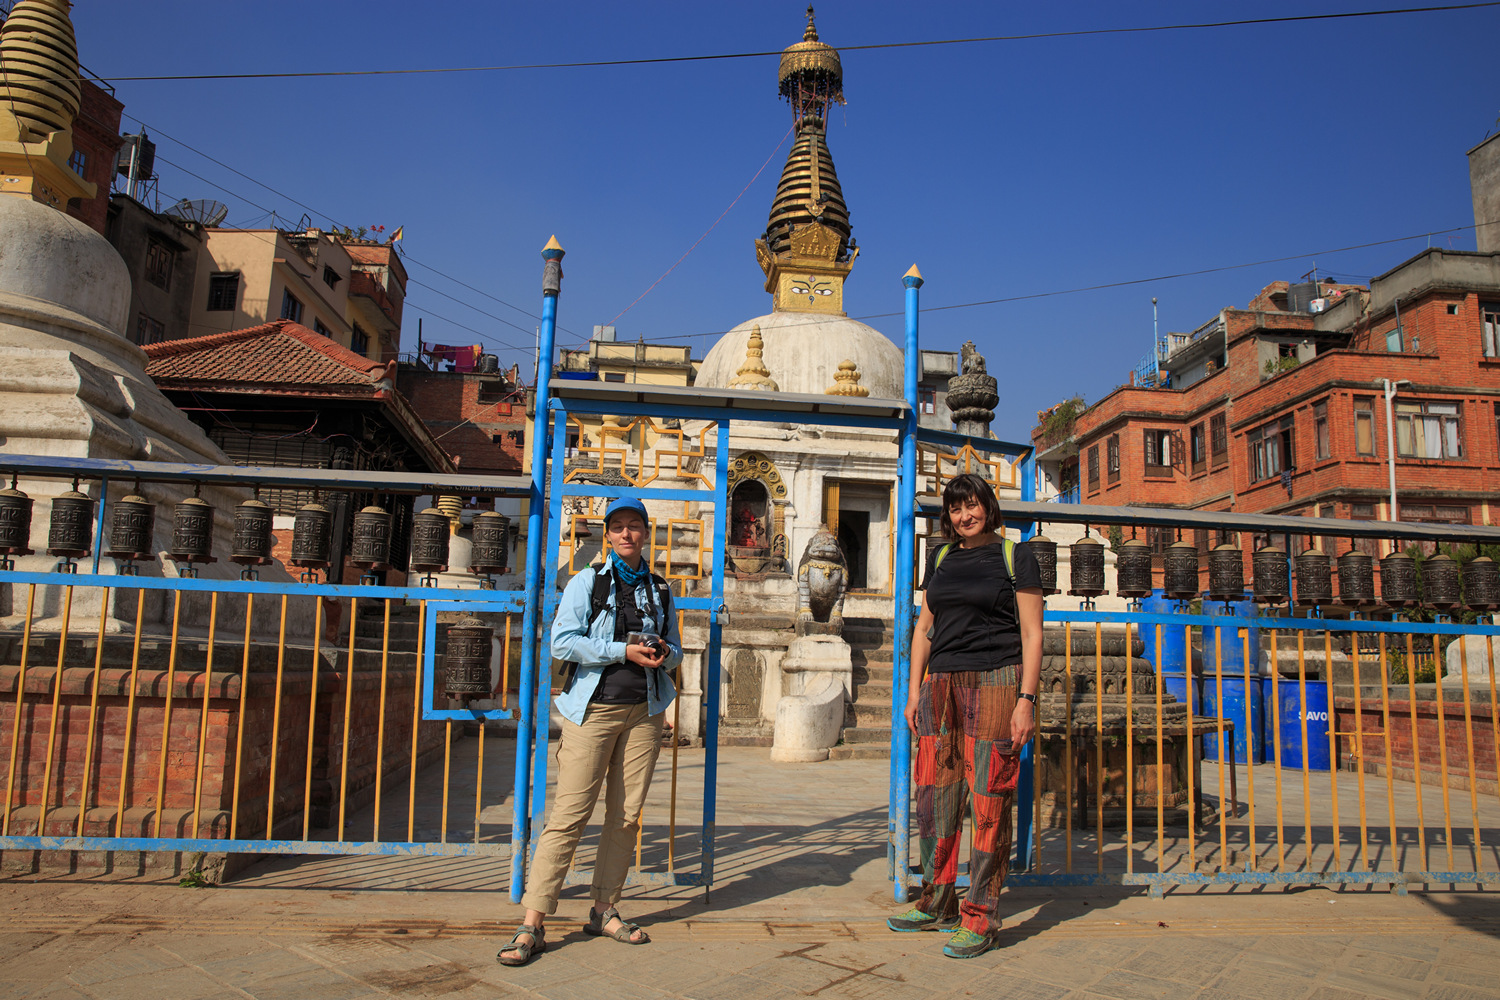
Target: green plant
(1460, 554)
(1275, 366)
(1116, 536)
(1057, 421)
(195, 879)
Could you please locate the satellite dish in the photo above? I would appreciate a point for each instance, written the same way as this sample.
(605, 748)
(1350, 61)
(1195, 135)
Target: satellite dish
(204, 211)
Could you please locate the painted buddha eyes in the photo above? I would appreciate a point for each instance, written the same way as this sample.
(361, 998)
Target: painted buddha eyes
(808, 288)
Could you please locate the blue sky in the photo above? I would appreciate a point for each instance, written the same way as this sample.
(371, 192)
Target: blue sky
(1002, 169)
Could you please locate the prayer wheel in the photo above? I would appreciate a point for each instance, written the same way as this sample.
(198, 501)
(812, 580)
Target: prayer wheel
(429, 541)
(252, 533)
(133, 529)
(1180, 571)
(1314, 578)
(312, 536)
(1086, 557)
(466, 664)
(1226, 573)
(1356, 579)
(1481, 579)
(15, 522)
(1398, 580)
(1440, 582)
(1133, 569)
(1271, 575)
(71, 532)
(192, 531)
(1045, 551)
(491, 550)
(372, 539)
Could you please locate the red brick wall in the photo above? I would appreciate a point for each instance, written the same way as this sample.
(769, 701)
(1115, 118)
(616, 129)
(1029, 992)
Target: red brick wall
(1427, 752)
(96, 132)
(484, 437)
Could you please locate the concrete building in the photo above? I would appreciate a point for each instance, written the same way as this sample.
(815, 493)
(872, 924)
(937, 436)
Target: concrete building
(161, 254)
(347, 289)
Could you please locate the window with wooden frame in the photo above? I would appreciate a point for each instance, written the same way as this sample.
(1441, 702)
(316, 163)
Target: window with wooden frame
(1489, 329)
(1198, 453)
(1094, 469)
(1323, 443)
(1270, 449)
(1364, 426)
(1112, 458)
(1218, 439)
(158, 265)
(1429, 430)
(1157, 445)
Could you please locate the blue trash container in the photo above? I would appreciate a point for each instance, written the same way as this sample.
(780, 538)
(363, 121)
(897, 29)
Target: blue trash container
(1233, 647)
(1174, 652)
(1289, 717)
(1249, 741)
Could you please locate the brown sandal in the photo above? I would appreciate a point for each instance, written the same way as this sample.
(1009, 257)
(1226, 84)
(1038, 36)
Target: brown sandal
(626, 933)
(536, 947)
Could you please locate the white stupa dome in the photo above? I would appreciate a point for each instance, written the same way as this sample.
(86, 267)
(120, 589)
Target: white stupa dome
(53, 257)
(803, 350)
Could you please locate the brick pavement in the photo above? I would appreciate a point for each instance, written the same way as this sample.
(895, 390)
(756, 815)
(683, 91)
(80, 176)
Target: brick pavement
(796, 911)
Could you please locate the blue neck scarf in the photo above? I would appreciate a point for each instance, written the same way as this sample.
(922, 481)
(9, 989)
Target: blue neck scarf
(628, 577)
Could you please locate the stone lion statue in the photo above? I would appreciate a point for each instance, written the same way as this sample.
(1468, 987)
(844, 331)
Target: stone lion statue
(822, 580)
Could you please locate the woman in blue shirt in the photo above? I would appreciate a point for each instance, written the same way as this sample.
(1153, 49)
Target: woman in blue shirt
(613, 704)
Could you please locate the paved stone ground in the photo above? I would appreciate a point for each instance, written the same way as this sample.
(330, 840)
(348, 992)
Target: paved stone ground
(797, 909)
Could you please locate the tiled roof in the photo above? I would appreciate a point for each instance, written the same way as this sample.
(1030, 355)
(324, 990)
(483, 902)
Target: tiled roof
(282, 353)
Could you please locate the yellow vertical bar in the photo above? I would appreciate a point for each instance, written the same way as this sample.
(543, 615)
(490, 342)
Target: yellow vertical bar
(1333, 756)
(125, 754)
(88, 752)
(15, 729)
(1489, 643)
(1463, 658)
(676, 739)
(640, 832)
(62, 650)
(385, 660)
(416, 722)
(276, 722)
(1223, 786)
(166, 714)
(1129, 752)
(1276, 737)
(505, 668)
(1385, 717)
(1099, 780)
(1192, 748)
(1359, 749)
(1249, 750)
(1416, 748)
(208, 677)
(1068, 743)
(1302, 721)
(479, 781)
(447, 763)
(239, 734)
(312, 713)
(1161, 807)
(348, 703)
(1442, 728)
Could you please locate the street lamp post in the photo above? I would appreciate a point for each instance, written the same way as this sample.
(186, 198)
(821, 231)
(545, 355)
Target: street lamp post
(1390, 439)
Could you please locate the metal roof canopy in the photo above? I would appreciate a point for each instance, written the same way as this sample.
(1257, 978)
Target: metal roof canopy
(734, 404)
(268, 475)
(1160, 517)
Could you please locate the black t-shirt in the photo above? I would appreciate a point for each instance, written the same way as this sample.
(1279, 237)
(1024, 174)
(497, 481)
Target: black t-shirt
(623, 683)
(974, 607)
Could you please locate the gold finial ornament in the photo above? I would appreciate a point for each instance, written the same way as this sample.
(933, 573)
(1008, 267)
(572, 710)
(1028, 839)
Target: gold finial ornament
(39, 99)
(808, 248)
(754, 374)
(846, 381)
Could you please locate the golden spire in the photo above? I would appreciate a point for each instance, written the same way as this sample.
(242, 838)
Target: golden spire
(39, 98)
(846, 381)
(754, 374)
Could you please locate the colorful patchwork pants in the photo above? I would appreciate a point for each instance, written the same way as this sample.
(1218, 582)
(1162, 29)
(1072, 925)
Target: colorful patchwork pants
(964, 753)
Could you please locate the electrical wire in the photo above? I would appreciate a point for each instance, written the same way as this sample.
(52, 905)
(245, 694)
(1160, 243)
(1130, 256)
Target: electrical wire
(1083, 32)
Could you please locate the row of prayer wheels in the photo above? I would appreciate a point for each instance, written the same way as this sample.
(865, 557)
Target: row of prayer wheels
(133, 527)
(1442, 585)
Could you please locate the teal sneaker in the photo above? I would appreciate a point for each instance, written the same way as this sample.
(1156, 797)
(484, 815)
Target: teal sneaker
(915, 920)
(967, 944)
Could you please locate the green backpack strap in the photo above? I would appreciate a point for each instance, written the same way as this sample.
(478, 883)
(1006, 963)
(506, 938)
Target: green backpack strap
(1009, 548)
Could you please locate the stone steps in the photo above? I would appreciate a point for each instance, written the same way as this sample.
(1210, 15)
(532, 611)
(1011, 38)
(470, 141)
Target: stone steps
(867, 730)
(868, 735)
(859, 751)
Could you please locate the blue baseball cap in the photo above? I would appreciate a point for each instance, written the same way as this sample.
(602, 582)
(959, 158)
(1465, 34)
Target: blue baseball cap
(623, 504)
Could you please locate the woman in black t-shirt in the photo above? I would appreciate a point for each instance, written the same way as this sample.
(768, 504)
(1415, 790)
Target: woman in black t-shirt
(976, 664)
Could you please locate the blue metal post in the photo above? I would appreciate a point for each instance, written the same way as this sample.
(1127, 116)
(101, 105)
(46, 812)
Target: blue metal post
(520, 831)
(99, 522)
(711, 673)
(549, 600)
(906, 530)
(1026, 778)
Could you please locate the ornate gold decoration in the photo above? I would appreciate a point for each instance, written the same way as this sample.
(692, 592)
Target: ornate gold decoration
(815, 241)
(811, 56)
(39, 99)
(754, 465)
(612, 455)
(754, 374)
(846, 381)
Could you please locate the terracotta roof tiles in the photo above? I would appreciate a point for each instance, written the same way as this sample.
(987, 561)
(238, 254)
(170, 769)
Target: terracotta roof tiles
(282, 353)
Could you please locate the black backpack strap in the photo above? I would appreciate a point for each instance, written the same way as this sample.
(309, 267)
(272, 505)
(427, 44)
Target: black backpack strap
(598, 601)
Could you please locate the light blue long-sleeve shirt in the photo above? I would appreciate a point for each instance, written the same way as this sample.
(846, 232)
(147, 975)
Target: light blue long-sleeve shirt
(593, 646)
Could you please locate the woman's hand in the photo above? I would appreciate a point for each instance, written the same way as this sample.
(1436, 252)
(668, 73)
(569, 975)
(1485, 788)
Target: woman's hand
(646, 656)
(1022, 723)
(911, 714)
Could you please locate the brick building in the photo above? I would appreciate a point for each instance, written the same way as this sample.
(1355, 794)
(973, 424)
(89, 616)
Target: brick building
(478, 416)
(1303, 402)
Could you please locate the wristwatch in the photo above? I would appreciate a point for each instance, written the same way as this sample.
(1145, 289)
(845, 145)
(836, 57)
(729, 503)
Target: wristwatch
(1029, 697)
